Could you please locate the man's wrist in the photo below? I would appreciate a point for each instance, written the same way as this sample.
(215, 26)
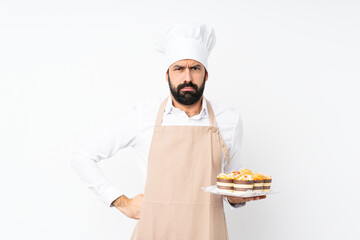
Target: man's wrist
(235, 205)
(120, 202)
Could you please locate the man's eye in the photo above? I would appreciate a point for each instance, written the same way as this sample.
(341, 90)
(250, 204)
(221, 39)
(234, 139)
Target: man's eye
(196, 68)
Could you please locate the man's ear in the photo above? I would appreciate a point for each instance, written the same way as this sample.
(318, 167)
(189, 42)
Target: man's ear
(207, 75)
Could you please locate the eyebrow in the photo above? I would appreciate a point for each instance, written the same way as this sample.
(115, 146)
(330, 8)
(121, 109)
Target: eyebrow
(197, 65)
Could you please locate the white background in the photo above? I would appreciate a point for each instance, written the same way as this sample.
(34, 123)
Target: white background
(68, 68)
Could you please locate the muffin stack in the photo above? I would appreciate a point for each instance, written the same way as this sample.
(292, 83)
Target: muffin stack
(267, 182)
(225, 181)
(243, 180)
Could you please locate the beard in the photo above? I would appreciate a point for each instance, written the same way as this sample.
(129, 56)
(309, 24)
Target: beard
(187, 97)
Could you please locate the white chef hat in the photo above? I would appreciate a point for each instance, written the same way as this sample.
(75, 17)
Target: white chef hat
(186, 41)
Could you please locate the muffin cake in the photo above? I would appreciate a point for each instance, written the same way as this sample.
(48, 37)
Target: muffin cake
(245, 171)
(258, 182)
(267, 182)
(243, 183)
(225, 181)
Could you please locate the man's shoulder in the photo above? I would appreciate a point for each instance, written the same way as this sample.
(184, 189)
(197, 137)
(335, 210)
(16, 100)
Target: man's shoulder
(148, 108)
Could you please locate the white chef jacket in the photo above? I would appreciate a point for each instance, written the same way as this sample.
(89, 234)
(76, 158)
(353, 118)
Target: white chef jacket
(135, 129)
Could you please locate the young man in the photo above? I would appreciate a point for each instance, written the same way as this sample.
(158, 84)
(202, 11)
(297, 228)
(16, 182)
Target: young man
(183, 142)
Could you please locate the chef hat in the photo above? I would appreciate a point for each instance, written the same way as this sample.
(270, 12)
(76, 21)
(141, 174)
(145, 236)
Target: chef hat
(186, 41)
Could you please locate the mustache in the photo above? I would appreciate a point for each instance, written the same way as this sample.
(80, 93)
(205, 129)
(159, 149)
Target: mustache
(190, 84)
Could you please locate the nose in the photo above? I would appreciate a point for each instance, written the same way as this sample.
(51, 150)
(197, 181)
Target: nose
(188, 77)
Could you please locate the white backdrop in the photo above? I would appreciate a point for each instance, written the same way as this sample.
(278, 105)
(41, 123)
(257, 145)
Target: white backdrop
(68, 68)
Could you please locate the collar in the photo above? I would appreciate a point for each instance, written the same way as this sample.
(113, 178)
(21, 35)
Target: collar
(170, 108)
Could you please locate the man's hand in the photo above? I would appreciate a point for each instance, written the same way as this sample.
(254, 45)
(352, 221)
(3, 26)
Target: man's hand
(236, 200)
(131, 207)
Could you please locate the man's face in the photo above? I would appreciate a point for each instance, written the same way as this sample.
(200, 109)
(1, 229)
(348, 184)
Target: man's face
(186, 80)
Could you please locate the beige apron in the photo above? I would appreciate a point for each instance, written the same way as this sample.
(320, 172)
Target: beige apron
(182, 159)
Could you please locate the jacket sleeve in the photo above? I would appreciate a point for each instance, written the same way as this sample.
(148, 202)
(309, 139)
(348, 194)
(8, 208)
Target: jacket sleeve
(103, 145)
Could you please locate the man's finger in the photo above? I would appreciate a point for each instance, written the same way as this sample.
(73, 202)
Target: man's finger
(246, 199)
(260, 197)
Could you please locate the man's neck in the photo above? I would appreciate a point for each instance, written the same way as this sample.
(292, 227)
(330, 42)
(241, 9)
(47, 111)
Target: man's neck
(190, 110)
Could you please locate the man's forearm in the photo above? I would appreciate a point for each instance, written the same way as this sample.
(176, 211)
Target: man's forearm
(90, 173)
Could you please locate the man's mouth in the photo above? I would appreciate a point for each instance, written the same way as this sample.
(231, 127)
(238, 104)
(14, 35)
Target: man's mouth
(187, 89)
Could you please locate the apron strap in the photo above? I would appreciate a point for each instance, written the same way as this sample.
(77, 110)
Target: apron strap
(161, 112)
(225, 151)
(212, 121)
(223, 147)
(211, 114)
